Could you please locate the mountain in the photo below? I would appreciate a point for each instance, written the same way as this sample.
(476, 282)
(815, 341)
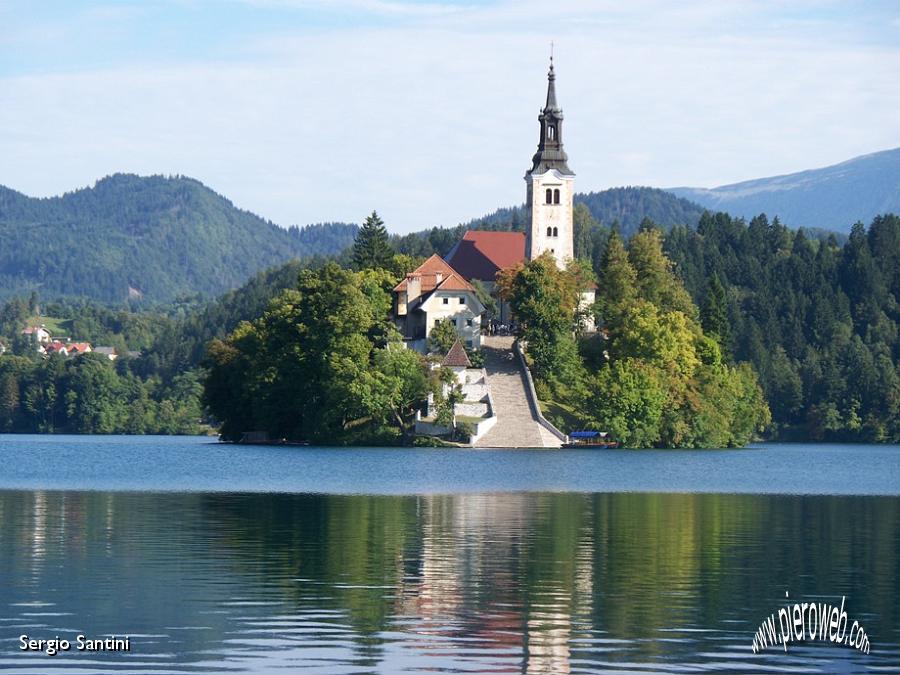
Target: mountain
(628, 206)
(832, 198)
(151, 237)
(631, 205)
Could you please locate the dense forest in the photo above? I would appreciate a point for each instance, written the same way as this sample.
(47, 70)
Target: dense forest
(814, 317)
(818, 321)
(144, 238)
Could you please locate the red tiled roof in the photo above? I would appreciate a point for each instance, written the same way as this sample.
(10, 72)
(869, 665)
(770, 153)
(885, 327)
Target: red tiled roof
(436, 273)
(79, 347)
(455, 282)
(480, 255)
(457, 356)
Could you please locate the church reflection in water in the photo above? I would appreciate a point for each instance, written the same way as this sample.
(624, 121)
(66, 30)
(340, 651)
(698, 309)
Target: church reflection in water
(522, 582)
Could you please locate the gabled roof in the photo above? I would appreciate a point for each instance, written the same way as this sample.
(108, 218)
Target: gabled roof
(457, 357)
(79, 346)
(480, 255)
(436, 273)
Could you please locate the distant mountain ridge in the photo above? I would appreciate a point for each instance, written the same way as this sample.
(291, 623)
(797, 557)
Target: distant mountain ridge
(152, 237)
(833, 197)
(157, 237)
(627, 206)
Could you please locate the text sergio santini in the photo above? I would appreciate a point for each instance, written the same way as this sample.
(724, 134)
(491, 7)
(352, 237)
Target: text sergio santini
(82, 644)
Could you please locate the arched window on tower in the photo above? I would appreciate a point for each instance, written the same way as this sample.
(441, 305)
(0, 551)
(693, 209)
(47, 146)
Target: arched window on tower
(549, 231)
(556, 196)
(549, 196)
(551, 132)
(555, 231)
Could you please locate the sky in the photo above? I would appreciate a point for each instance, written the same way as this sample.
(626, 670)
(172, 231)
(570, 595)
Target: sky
(307, 111)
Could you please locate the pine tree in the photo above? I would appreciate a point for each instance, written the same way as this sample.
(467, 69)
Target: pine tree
(372, 249)
(714, 314)
(617, 281)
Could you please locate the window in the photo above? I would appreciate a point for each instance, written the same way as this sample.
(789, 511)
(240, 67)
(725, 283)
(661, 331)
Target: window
(549, 196)
(549, 231)
(470, 322)
(551, 132)
(555, 231)
(556, 196)
(446, 301)
(462, 301)
(552, 250)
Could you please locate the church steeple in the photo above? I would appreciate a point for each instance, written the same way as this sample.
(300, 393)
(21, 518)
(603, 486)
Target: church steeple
(550, 188)
(551, 89)
(550, 153)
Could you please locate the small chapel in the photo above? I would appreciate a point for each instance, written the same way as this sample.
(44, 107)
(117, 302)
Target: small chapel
(441, 288)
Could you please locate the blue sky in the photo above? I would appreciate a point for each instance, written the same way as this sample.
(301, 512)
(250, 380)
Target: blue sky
(313, 110)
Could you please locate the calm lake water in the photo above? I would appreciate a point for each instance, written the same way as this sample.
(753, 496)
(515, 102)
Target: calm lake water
(233, 559)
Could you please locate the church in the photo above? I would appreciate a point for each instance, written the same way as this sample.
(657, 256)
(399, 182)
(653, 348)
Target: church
(442, 290)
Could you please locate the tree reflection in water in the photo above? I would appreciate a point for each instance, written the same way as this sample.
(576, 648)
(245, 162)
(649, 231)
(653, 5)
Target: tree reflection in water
(518, 582)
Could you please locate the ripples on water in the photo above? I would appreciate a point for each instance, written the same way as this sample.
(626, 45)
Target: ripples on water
(526, 582)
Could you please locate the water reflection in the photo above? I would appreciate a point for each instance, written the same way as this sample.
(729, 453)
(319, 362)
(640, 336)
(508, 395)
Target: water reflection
(529, 582)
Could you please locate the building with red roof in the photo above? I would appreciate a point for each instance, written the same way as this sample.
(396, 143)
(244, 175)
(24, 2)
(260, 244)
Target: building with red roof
(480, 255)
(76, 348)
(435, 292)
(56, 347)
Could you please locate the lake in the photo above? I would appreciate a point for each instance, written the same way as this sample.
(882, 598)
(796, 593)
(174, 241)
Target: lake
(217, 558)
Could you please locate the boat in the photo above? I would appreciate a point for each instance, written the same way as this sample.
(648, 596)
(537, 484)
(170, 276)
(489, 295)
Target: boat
(590, 439)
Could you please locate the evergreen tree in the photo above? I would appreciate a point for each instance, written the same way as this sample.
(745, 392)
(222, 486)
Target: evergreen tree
(617, 281)
(372, 248)
(714, 314)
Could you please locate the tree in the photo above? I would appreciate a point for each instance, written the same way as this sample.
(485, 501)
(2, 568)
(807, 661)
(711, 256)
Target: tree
(617, 282)
(442, 336)
(372, 248)
(714, 314)
(544, 300)
(321, 363)
(656, 281)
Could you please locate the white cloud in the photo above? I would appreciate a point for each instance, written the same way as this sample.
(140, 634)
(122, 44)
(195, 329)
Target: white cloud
(436, 125)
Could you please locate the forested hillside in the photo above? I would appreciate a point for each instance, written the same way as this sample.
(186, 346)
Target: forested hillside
(819, 322)
(152, 238)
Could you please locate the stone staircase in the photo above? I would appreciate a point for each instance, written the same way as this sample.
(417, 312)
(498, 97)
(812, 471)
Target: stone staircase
(516, 425)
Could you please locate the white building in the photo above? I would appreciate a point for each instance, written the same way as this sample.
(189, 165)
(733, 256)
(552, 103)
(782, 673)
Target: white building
(38, 334)
(435, 292)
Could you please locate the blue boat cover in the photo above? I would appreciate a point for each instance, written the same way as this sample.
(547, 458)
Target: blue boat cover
(586, 434)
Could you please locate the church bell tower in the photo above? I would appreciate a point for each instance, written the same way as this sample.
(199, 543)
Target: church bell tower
(550, 187)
